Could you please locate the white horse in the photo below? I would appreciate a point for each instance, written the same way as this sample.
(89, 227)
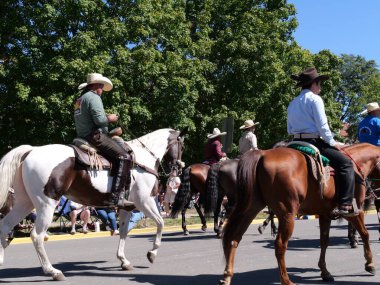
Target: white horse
(40, 175)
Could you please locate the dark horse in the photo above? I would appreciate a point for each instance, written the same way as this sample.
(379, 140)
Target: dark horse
(279, 178)
(211, 184)
(193, 183)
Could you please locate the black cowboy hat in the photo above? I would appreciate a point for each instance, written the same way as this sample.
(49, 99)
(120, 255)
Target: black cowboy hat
(308, 76)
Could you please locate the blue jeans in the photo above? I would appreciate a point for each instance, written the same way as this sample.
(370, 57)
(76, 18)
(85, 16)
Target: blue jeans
(135, 217)
(108, 217)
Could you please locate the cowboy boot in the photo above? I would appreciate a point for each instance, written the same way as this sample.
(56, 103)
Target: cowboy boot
(119, 183)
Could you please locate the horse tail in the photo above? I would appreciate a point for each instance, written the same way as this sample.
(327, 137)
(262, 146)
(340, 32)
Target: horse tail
(9, 165)
(212, 189)
(183, 194)
(246, 186)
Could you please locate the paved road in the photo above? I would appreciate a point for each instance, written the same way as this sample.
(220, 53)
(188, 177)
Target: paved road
(196, 259)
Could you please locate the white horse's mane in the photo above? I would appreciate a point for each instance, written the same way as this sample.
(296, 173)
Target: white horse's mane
(154, 142)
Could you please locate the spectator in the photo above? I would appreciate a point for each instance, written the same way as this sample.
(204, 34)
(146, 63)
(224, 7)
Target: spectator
(108, 217)
(136, 216)
(73, 209)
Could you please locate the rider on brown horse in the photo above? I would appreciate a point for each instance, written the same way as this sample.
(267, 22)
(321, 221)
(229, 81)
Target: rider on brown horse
(213, 148)
(307, 121)
(91, 123)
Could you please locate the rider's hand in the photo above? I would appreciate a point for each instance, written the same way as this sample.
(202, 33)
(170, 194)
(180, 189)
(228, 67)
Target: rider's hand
(339, 145)
(112, 118)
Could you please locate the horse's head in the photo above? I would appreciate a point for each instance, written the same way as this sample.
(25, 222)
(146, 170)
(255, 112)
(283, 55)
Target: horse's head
(174, 150)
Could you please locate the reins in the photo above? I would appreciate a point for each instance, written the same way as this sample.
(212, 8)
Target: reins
(149, 151)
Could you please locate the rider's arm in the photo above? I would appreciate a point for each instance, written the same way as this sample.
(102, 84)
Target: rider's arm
(320, 121)
(97, 112)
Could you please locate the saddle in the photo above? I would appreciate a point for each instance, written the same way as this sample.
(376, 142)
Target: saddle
(317, 164)
(88, 155)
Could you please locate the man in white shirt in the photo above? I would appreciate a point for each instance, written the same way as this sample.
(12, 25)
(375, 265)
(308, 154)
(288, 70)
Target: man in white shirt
(307, 121)
(248, 140)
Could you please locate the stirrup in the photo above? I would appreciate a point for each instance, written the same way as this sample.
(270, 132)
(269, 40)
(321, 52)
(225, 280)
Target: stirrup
(124, 203)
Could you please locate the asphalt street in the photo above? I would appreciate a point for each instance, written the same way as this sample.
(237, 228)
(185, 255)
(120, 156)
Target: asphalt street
(196, 259)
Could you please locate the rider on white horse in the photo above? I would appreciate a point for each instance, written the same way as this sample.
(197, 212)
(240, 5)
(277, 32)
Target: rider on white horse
(91, 123)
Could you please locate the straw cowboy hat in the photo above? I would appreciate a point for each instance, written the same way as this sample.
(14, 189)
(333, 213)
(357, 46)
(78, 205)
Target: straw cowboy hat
(93, 78)
(216, 133)
(308, 76)
(370, 108)
(249, 124)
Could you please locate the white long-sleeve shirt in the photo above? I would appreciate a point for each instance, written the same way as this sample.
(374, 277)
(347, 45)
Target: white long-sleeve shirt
(306, 115)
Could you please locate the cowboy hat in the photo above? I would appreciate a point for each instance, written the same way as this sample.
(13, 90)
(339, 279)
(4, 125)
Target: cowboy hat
(370, 108)
(216, 133)
(93, 78)
(308, 76)
(248, 124)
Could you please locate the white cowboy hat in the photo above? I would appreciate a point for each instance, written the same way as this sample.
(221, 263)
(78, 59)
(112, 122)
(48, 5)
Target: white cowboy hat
(370, 108)
(249, 124)
(97, 78)
(216, 133)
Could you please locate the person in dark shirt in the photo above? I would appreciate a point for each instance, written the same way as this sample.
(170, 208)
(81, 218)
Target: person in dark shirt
(213, 149)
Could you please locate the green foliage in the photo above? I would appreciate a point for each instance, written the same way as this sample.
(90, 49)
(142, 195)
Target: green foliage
(179, 63)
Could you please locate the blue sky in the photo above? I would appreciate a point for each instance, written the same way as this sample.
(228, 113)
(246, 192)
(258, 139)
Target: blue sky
(342, 26)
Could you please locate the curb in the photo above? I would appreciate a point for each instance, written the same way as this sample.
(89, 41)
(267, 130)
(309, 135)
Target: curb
(142, 231)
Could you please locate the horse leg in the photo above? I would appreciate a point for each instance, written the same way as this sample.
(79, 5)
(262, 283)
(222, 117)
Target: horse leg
(44, 217)
(358, 223)
(21, 208)
(150, 210)
(184, 227)
(377, 205)
(261, 228)
(273, 225)
(18, 212)
(203, 219)
(285, 230)
(352, 236)
(324, 228)
(236, 226)
(124, 218)
(218, 210)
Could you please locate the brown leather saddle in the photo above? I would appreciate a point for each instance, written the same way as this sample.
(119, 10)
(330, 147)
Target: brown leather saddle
(88, 156)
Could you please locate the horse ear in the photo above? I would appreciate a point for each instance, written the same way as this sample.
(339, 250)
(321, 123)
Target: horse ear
(184, 131)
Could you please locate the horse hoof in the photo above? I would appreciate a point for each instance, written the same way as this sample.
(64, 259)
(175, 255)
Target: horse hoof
(151, 257)
(328, 278)
(59, 277)
(203, 228)
(354, 245)
(260, 229)
(222, 282)
(186, 233)
(127, 267)
(371, 270)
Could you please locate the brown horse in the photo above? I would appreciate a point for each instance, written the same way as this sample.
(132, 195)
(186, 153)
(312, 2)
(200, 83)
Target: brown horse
(193, 183)
(279, 178)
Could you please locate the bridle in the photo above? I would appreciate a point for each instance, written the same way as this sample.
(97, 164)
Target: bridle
(178, 165)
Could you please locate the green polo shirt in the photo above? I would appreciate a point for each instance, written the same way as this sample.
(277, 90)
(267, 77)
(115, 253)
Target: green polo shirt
(89, 114)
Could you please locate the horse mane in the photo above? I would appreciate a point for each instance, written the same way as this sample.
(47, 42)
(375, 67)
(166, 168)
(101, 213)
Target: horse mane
(147, 139)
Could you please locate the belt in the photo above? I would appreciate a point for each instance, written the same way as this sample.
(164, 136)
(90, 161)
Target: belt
(306, 136)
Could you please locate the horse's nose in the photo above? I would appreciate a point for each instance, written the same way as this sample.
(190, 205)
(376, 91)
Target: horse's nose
(180, 163)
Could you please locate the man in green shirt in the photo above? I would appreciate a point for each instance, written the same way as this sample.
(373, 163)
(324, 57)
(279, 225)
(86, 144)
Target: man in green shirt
(91, 123)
